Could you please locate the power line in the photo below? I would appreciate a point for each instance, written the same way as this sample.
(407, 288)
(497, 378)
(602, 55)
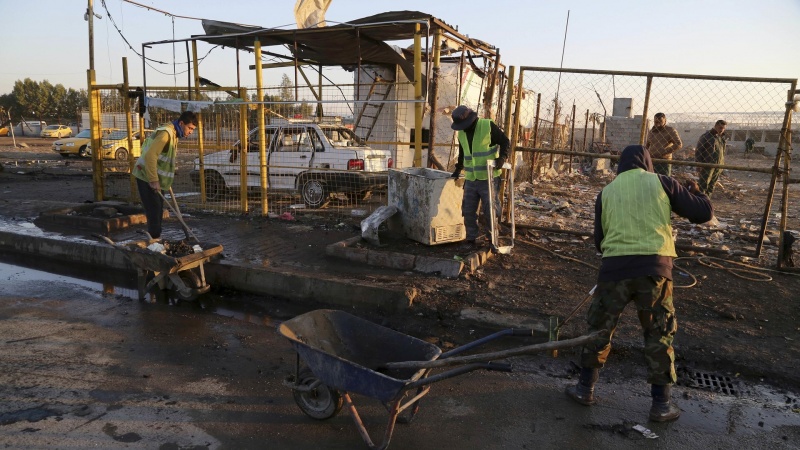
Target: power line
(146, 59)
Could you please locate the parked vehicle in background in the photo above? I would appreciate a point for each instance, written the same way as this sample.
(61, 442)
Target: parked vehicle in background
(115, 145)
(4, 131)
(312, 159)
(56, 131)
(77, 146)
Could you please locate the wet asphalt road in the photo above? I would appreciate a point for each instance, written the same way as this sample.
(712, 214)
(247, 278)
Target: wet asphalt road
(81, 368)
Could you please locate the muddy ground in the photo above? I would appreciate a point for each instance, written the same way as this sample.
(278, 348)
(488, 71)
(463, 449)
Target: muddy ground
(743, 323)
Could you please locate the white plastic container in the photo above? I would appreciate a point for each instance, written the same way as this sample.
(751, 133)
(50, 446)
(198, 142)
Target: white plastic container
(429, 205)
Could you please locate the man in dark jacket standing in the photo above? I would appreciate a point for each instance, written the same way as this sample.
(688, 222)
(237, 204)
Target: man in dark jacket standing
(632, 229)
(710, 149)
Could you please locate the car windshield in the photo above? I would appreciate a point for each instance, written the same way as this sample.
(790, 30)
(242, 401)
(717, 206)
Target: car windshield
(340, 135)
(84, 134)
(52, 127)
(117, 135)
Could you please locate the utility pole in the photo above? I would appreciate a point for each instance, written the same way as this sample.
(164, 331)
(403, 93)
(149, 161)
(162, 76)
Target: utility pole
(89, 16)
(94, 109)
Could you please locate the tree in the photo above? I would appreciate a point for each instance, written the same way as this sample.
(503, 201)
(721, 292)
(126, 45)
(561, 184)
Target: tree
(44, 101)
(286, 95)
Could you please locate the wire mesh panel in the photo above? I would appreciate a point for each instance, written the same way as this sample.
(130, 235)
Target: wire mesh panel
(596, 112)
(309, 155)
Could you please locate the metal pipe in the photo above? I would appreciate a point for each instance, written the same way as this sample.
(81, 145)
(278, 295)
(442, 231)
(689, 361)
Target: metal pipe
(655, 160)
(643, 133)
(434, 90)
(512, 134)
(97, 143)
(243, 147)
(128, 122)
(535, 158)
(200, 126)
(572, 138)
(585, 129)
(784, 147)
(262, 136)
(664, 75)
(417, 96)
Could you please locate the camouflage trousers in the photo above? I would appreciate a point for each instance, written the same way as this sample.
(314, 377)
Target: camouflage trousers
(653, 299)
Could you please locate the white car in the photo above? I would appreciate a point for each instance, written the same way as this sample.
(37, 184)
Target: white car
(313, 159)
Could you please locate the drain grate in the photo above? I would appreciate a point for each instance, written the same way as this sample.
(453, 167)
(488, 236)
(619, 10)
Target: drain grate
(710, 381)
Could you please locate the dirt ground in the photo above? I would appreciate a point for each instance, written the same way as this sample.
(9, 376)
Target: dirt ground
(741, 320)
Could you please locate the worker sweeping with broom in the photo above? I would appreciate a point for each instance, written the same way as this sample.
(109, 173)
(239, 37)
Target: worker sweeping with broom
(632, 230)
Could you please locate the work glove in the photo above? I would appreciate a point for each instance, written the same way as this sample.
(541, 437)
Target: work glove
(692, 186)
(456, 173)
(498, 162)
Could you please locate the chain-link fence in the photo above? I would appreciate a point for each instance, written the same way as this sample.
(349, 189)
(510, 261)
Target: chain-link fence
(580, 114)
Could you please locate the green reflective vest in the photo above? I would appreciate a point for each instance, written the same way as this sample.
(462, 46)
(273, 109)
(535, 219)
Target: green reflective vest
(636, 216)
(479, 151)
(165, 164)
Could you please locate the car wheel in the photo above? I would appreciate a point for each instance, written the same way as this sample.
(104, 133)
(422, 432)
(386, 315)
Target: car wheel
(215, 186)
(83, 153)
(121, 154)
(315, 193)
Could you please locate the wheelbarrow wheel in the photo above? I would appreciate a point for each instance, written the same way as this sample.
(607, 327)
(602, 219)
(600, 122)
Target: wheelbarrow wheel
(321, 403)
(194, 283)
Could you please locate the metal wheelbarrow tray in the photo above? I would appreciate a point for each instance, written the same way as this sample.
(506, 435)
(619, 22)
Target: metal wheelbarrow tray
(178, 270)
(346, 354)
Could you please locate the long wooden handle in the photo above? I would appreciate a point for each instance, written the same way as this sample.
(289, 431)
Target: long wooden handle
(547, 346)
(177, 212)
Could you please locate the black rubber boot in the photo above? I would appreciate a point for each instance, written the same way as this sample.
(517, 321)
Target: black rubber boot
(663, 410)
(583, 391)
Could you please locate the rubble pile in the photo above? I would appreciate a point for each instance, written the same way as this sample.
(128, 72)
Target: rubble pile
(566, 202)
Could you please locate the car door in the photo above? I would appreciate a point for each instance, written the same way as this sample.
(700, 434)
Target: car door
(253, 158)
(291, 155)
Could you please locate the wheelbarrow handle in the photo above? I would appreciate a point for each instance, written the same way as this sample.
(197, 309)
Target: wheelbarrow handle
(547, 346)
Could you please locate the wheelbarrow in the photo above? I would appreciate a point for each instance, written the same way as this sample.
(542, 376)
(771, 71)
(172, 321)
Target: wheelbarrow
(339, 354)
(183, 276)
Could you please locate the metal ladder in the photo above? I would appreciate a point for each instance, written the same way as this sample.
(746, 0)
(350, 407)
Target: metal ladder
(368, 116)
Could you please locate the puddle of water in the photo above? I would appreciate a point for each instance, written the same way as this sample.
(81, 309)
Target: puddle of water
(260, 310)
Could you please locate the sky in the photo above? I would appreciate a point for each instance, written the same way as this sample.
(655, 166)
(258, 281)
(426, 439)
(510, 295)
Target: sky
(49, 39)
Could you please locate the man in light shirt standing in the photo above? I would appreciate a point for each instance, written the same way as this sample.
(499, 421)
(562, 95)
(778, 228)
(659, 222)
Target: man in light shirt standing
(662, 142)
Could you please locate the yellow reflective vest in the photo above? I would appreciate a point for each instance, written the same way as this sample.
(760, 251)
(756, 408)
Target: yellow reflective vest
(477, 153)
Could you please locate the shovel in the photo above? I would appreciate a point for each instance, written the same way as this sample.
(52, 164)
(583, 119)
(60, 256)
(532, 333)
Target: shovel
(501, 249)
(555, 326)
(177, 213)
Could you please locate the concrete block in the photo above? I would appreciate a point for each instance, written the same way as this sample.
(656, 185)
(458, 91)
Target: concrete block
(448, 268)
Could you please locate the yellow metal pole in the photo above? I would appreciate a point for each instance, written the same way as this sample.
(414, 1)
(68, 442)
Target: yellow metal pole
(97, 145)
(434, 92)
(243, 150)
(262, 139)
(417, 96)
(128, 124)
(200, 129)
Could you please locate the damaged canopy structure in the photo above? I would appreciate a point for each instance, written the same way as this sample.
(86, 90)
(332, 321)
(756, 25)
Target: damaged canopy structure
(360, 41)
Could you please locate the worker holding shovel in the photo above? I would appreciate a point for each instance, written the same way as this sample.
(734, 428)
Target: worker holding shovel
(632, 229)
(155, 168)
(479, 140)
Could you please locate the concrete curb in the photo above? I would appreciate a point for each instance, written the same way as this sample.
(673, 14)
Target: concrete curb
(447, 268)
(257, 280)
